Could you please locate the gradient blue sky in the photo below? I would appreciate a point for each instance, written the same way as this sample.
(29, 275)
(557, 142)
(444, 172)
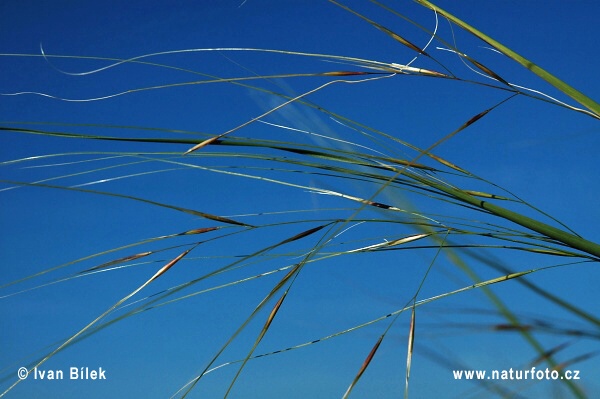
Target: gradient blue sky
(541, 152)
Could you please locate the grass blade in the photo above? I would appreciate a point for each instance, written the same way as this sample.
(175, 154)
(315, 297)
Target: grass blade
(542, 73)
(409, 352)
(103, 315)
(363, 367)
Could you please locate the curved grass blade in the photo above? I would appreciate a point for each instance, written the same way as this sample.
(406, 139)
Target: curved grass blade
(257, 118)
(385, 30)
(512, 318)
(79, 260)
(542, 73)
(130, 197)
(103, 315)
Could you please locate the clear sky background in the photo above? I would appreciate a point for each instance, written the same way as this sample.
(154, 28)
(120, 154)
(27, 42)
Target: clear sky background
(543, 153)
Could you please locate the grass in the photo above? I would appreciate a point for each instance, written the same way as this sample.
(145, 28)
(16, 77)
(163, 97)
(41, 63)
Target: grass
(319, 209)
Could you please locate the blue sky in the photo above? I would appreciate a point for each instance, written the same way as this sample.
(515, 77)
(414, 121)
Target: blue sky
(543, 153)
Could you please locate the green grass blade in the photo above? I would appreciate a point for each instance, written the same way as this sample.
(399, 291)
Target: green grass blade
(542, 73)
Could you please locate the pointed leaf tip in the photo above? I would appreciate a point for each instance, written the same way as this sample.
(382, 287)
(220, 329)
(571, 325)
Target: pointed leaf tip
(411, 341)
(166, 267)
(363, 367)
(202, 144)
(199, 231)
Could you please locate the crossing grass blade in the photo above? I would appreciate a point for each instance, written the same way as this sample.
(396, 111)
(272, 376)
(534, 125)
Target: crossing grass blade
(378, 174)
(66, 343)
(130, 197)
(542, 73)
(258, 340)
(293, 272)
(385, 30)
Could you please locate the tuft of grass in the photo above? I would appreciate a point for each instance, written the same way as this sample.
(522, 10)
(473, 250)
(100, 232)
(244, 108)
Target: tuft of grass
(386, 199)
